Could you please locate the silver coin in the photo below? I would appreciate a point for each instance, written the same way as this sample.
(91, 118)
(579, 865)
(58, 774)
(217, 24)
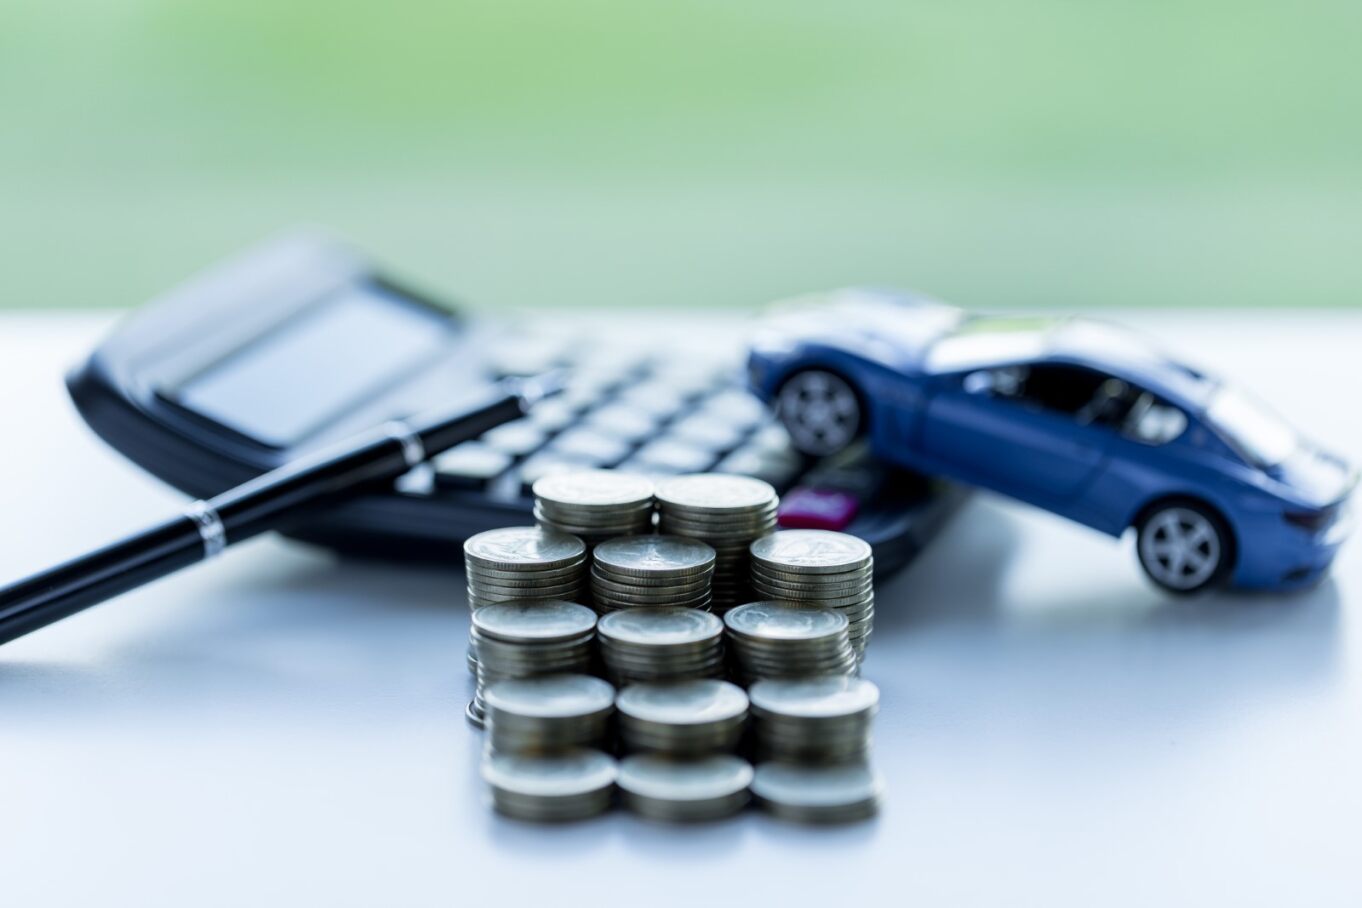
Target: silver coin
(594, 488)
(539, 621)
(769, 620)
(660, 626)
(812, 551)
(818, 793)
(683, 702)
(702, 779)
(644, 556)
(815, 698)
(715, 492)
(551, 696)
(565, 775)
(522, 548)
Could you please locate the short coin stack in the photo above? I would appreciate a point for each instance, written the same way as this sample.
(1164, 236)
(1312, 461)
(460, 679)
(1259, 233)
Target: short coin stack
(641, 571)
(548, 713)
(665, 643)
(840, 793)
(728, 513)
(525, 638)
(819, 567)
(524, 563)
(594, 505)
(553, 788)
(785, 640)
(682, 718)
(706, 788)
(824, 719)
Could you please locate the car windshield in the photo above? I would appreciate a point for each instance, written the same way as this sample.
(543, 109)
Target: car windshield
(1261, 435)
(984, 341)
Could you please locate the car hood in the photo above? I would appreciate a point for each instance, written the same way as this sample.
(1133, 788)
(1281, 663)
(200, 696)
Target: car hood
(893, 327)
(1319, 478)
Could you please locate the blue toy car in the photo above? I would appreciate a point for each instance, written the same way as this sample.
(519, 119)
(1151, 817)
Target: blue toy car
(1076, 416)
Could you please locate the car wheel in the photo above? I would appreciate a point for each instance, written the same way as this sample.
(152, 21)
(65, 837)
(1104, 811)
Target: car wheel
(1184, 547)
(820, 410)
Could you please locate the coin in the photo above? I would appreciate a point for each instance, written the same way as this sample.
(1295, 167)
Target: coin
(684, 790)
(654, 556)
(822, 719)
(812, 551)
(839, 793)
(523, 549)
(660, 627)
(783, 621)
(571, 785)
(547, 712)
(715, 492)
(594, 489)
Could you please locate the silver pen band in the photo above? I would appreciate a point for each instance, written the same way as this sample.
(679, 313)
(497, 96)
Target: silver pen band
(211, 530)
(413, 451)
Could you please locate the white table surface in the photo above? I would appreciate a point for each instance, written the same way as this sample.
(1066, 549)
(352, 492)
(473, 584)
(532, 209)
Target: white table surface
(279, 728)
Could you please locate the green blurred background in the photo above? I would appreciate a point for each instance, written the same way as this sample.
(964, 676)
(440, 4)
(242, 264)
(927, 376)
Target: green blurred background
(699, 153)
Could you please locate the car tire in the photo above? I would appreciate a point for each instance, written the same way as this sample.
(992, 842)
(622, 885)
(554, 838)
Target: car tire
(1185, 547)
(821, 411)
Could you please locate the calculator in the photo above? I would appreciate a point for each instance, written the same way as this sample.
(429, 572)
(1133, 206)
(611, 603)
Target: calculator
(303, 341)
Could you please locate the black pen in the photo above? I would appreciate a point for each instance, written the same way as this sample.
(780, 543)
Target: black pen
(207, 527)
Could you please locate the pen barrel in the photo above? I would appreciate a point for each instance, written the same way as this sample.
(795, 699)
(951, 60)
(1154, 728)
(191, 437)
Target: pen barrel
(63, 590)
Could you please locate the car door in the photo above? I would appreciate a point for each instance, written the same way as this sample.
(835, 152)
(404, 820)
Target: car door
(1019, 430)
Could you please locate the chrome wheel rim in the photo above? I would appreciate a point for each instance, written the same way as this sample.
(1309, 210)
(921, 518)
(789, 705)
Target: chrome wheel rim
(1180, 548)
(820, 411)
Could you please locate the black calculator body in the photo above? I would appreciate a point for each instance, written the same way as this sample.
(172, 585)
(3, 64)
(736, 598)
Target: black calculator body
(301, 341)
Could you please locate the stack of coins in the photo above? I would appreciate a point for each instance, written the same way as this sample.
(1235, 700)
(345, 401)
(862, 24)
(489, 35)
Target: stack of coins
(728, 513)
(682, 718)
(594, 505)
(550, 788)
(634, 571)
(666, 643)
(524, 563)
(548, 713)
(785, 640)
(824, 719)
(839, 793)
(704, 788)
(523, 639)
(818, 567)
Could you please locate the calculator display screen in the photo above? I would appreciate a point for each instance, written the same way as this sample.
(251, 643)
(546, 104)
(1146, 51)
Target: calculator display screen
(306, 371)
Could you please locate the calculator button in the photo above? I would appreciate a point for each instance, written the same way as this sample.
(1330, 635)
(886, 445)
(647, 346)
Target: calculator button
(659, 399)
(708, 432)
(778, 469)
(471, 465)
(552, 415)
(772, 438)
(808, 508)
(737, 407)
(589, 447)
(622, 421)
(515, 438)
(673, 456)
(543, 464)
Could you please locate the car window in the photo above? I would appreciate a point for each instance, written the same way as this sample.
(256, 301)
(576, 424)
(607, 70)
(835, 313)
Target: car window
(1047, 386)
(1153, 421)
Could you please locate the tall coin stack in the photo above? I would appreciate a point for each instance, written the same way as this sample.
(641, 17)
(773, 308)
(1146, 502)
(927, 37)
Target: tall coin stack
(825, 719)
(522, 639)
(819, 567)
(642, 571)
(548, 713)
(682, 718)
(519, 563)
(664, 643)
(524, 563)
(594, 505)
(728, 513)
(786, 640)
